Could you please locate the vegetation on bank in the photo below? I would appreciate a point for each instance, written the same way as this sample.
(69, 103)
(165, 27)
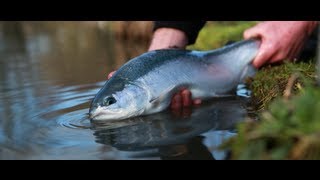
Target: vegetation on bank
(216, 34)
(274, 81)
(289, 129)
(286, 101)
(270, 81)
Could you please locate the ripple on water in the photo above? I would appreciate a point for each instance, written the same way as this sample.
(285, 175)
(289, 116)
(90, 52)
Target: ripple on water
(70, 106)
(76, 120)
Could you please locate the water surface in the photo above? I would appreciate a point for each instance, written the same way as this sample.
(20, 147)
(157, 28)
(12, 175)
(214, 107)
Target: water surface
(49, 73)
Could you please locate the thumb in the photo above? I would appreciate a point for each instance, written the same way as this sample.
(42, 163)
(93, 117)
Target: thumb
(264, 54)
(251, 33)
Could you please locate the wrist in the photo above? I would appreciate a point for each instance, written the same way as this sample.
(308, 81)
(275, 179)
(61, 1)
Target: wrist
(311, 26)
(166, 38)
(308, 26)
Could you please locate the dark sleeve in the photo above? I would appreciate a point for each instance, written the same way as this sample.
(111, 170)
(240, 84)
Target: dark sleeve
(191, 28)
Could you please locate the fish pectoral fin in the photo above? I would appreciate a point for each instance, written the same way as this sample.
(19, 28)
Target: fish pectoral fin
(165, 96)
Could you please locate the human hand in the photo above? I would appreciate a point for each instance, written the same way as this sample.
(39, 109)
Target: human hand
(280, 40)
(166, 38)
(181, 99)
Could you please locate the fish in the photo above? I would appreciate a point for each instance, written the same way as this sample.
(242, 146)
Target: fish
(169, 128)
(145, 84)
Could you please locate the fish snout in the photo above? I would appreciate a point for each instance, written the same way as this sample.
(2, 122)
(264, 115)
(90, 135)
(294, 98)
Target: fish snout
(94, 112)
(97, 111)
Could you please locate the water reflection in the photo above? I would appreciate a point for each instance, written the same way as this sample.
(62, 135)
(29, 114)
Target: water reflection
(174, 135)
(49, 73)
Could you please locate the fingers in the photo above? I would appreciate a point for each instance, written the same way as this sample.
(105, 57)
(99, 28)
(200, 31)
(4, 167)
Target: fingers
(186, 98)
(110, 74)
(176, 102)
(265, 53)
(251, 33)
(183, 99)
(262, 54)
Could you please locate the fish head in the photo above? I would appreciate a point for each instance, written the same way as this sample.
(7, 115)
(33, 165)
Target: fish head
(128, 102)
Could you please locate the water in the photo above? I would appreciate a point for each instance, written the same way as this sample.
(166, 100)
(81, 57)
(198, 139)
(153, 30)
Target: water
(49, 73)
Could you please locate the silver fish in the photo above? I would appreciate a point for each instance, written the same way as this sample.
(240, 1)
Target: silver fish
(167, 128)
(146, 84)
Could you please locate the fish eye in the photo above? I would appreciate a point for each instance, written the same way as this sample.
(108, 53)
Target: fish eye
(109, 100)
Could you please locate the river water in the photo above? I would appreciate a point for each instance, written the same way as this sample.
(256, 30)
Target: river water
(49, 73)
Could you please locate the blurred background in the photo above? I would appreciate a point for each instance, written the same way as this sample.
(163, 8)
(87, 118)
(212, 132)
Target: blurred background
(75, 46)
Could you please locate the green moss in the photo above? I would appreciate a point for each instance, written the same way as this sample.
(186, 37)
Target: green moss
(290, 129)
(271, 81)
(216, 34)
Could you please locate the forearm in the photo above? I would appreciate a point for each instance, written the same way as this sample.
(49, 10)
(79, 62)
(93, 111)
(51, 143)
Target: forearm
(166, 38)
(311, 26)
(175, 34)
(307, 26)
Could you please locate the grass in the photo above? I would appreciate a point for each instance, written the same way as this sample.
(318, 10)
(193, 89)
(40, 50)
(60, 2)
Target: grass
(271, 81)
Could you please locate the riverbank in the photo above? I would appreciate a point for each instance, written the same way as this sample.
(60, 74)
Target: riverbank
(285, 99)
(271, 80)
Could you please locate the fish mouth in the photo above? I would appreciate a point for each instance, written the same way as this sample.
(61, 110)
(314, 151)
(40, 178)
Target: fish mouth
(97, 117)
(93, 116)
(104, 117)
(99, 111)
(103, 113)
